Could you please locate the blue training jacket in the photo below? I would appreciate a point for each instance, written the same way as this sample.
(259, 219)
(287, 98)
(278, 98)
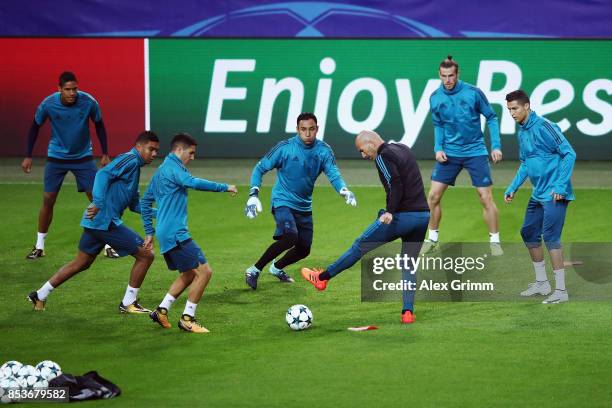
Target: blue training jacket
(297, 168)
(547, 159)
(115, 189)
(456, 118)
(168, 188)
(70, 137)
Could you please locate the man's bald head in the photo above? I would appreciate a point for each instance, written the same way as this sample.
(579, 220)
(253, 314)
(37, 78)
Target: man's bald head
(368, 142)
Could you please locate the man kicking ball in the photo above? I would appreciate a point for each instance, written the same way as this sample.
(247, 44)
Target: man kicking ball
(406, 215)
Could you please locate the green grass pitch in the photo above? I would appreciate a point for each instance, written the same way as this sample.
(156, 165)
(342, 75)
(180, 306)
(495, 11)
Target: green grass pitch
(456, 354)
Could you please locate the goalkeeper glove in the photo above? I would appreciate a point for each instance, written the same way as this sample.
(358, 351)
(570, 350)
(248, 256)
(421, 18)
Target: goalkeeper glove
(348, 196)
(253, 205)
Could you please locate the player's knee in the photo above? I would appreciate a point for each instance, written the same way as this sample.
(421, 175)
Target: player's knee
(145, 255)
(303, 251)
(530, 239)
(486, 199)
(434, 197)
(525, 234)
(49, 200)
(552, 240)
(148, 256)
(357, 247)
(290, 239)
(85, 264)
(204, 271)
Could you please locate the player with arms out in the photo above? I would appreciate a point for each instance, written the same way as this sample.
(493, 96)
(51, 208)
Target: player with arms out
(459, 144)
(169, 187)
(115, 189)
(406, 214)
(69, 111)
(547, 159)
(298, 162)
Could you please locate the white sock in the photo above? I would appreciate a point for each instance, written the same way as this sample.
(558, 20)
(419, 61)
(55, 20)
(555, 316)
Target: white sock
(252, 270)
(273, 269)
(40, 240)
(167, 302)
(190, 308)
(44, 291)
(433, 235)
(494, 237)
(130, 295)
(559, 279)
(540, 271)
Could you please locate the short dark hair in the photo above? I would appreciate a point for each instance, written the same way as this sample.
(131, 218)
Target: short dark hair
(449, 62)
(182, 139)
(306, 116)
(66, 76)
(519, 95)
(146, 137)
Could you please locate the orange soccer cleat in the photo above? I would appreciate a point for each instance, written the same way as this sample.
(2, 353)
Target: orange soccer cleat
(312, 276)
(407, 317)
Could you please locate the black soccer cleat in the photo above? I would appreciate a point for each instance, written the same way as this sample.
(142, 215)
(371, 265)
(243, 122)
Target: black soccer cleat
(133, 308)
(35, 253)
(39, 305)
(251, 280)
(283, 277)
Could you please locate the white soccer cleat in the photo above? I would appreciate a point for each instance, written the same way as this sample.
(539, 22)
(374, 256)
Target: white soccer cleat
(558, 296)
(496, 249)
(429, 247)
(537, 288)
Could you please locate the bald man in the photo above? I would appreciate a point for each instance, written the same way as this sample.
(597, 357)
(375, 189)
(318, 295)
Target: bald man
(405, 216)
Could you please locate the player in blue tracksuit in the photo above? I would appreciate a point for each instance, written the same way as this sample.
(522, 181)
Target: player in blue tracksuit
(169, 187)
(69, 111)
(456, 108)
(298, 162)
(115, 189)
(405, 216)
(547, 159)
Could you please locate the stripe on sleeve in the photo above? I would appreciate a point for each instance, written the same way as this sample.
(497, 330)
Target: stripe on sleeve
(552, 131)
(122, 162)
(383, 169)
(275, 148)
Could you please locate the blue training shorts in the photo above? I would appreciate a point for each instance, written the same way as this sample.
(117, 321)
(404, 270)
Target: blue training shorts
(544, 220)
(290, 221)
(84, 172)
(477, 166)
(123, 240)
(185, 256)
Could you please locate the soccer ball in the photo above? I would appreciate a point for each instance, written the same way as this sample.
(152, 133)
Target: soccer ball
(5, 384)
(29, 375)
(10, 368)
(49, 369)
(298, 317)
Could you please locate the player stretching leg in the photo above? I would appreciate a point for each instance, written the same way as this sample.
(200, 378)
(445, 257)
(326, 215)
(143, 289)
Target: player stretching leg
(115, 189)
(459, 143)
(168, 188)
(406, 215)
(547, 159)
(298, 162)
